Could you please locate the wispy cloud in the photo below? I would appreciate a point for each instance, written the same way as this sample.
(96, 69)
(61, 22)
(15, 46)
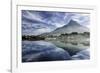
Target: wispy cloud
(37, 22)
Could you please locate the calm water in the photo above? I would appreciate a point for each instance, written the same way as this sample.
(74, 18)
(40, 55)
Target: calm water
(35, 51)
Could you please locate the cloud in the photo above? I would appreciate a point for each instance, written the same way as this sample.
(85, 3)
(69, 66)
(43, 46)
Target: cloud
(37, 22)
(82, 19)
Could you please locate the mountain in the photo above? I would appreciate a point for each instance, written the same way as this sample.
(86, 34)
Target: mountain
(29, 29)
(72, 26)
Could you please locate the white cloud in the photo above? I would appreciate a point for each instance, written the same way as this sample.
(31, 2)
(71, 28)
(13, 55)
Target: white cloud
(82, 19)
(45, 24)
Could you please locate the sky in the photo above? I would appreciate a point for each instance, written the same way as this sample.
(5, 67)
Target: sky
(38, 22)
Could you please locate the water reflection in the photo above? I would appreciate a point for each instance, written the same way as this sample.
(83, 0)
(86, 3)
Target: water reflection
(35, 51)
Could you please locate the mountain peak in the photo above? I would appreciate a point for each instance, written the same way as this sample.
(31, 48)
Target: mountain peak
(72, 23)
(72, 26)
